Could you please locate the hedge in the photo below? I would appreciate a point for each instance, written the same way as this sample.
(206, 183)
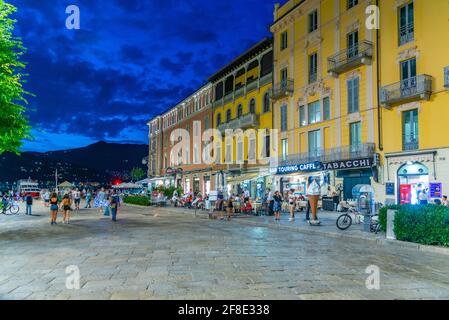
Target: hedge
(168, 191)
(138, 200)
(383, 215)
(428, 225)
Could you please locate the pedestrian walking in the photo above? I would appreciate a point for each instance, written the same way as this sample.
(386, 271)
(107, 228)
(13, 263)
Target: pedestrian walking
(106, 206)
(292, 205)
(54, 207)
(46, 198)
(100, 200)
(5, 202)
(277, 207)
(77, 199)
(88, 199)
(66, 205)
(29, 204)
(115, 205)
(230, 207)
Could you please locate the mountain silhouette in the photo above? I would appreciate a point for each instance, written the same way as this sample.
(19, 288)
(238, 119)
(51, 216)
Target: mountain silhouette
(98, 162)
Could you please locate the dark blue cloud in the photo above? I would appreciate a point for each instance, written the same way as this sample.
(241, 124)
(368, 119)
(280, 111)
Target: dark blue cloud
(131, 60)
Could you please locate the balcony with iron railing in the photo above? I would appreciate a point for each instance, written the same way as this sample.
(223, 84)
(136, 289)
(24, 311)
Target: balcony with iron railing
(251, 85)
(350, 58)
(283, 89)
(239, 92)
(359, 151)
(268, 78)
(406, 33)
(246, 121)
(410, 142)
(411, 89)
(228, 97)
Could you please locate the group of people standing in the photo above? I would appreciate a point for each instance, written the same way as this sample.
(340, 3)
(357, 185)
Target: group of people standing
(107, 202)
(274, 201)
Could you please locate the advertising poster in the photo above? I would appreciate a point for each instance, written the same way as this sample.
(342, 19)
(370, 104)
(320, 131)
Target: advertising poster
(436, 190)
(405, 193)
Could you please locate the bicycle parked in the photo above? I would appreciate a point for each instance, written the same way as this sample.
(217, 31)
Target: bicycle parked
(10, 208)
(345, 221)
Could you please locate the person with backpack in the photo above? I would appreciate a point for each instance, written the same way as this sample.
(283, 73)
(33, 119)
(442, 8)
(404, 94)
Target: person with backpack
(277, 207)
(29, 204)
(115, 205)
(66, 204)
(54, 207)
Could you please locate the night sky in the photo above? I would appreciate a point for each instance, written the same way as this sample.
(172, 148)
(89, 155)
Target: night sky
(131, 60)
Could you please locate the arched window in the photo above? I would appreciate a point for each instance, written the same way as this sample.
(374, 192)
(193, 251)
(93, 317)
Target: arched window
(239, 111)
(218, 119)
(228, 116)
(252, 106)
(266, 102)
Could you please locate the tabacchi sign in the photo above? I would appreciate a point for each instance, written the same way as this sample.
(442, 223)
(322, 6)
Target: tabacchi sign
(349, 164)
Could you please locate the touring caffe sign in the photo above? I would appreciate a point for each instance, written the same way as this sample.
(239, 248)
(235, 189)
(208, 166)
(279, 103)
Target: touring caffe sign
(304, 167)
(326, 166)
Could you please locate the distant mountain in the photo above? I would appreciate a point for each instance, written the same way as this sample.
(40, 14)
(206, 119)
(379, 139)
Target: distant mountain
(99, 162)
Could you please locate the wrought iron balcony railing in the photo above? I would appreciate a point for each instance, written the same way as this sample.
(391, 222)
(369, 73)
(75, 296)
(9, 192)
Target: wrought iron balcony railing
(229, 97)
(352, 57)
(251, 85)
(239, 92)
(249, 120)
(360, 151)
(268, 78)
(415, 88)
(410, 142)
(283, 89)
(407, 33)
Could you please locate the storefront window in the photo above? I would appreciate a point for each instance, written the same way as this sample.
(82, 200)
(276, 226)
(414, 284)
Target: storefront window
(413, 180)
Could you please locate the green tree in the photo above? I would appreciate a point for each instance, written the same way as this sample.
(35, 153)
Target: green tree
(137, 174)
(14, 125)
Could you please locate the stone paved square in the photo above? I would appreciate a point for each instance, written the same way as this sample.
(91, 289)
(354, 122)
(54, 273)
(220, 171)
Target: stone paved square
(160, 254)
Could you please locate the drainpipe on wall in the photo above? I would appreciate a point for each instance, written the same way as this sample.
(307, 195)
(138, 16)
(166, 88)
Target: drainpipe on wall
(379, 113)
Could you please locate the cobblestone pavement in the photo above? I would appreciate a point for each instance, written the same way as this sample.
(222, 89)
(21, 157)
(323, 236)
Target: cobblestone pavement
(157, 254)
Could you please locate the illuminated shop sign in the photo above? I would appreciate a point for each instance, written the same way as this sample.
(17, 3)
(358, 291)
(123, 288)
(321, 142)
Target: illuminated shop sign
(348, 164)
(304, 167)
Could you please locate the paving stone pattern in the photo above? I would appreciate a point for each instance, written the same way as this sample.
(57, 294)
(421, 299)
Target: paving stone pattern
(159, 254)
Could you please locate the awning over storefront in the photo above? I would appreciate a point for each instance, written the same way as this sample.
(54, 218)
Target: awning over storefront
(243, 177)
(161, 178)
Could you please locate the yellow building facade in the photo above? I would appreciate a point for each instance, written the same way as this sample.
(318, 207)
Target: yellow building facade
(325, 94)
(242, 92)
(414, 80)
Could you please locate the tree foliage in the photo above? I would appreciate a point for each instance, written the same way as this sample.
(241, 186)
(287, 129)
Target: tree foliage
(137, 174)
(14, 125)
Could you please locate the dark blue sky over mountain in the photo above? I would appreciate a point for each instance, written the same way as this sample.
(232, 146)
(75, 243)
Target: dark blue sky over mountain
(130, 60)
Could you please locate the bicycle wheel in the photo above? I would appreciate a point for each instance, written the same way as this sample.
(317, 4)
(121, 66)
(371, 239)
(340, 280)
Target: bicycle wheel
(14, 209)
(344, 222)
(8, 211)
